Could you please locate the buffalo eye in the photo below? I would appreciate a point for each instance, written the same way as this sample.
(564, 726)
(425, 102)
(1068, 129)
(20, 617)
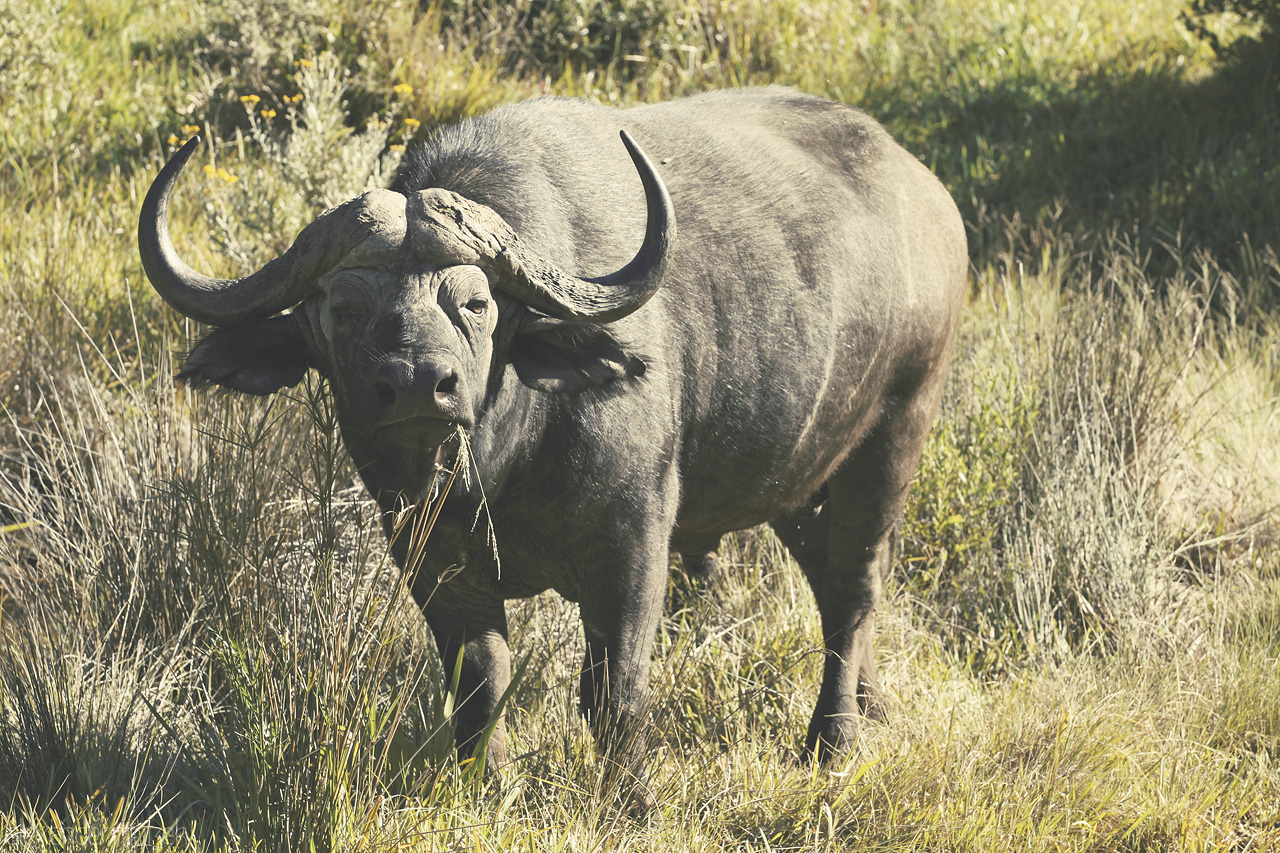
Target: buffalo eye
(478, 306)
(344, 313)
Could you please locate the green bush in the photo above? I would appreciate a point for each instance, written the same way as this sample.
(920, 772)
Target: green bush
(552, 35)
(29, 61)
(1034, 529)
(301, 158)
(250, 45)
(1258, 19)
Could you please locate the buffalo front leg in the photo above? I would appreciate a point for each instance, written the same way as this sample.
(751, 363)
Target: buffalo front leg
(620, 620)
(702, 564)
(467, 619)
(477, 644)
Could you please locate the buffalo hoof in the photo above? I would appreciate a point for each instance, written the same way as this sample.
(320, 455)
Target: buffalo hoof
(831, 735)
(628, 790)
(701, 572)
(829, 739)
(640, 800)
(702, 569)
(871, 707)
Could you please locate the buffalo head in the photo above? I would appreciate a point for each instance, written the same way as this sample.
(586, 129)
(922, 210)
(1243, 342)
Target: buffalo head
(407, 303)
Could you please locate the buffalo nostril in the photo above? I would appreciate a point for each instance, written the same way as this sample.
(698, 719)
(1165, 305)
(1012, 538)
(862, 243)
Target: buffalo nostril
(389, 380)
(447, 385)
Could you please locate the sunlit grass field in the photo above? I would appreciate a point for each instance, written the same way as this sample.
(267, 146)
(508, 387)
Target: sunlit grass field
(204, 645)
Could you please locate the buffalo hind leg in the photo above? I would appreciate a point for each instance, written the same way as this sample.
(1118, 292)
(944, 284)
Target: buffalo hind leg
(847, 597)
(844, 546)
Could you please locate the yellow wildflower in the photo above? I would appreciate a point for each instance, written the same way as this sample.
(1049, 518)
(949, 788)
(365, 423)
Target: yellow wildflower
(412, 123)
(249, 99)
(295, 99)
(403, 89)
(302, 63)
(173, 140)
(189, 129)
(209, 170)
(397, 149)
(268, 113)
(227, 176)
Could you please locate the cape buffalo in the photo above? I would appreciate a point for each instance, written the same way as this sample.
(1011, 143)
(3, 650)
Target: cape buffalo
(624, 393)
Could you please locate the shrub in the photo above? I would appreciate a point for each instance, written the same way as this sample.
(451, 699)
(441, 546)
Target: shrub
(251, 43)
(302, 158)
(1035, 527)
(552, 35)
(28, 59)
(1205, 20)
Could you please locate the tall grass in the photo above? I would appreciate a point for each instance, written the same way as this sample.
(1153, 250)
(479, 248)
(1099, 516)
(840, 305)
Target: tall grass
(203, 644)
(1067, 449)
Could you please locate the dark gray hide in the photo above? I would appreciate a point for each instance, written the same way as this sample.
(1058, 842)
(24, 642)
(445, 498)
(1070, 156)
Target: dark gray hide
(786, 371)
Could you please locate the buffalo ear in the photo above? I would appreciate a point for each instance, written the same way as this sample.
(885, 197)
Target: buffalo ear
(554, 356)
(255, 358)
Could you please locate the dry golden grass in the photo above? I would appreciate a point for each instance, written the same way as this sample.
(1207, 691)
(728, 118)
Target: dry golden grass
(204, 646)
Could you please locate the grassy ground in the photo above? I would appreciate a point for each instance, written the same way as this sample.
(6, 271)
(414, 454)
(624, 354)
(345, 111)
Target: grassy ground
(205, 647)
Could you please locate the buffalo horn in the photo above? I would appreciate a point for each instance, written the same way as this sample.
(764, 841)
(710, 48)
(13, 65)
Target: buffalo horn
(376, 217)
(445, 226)
(609, 297)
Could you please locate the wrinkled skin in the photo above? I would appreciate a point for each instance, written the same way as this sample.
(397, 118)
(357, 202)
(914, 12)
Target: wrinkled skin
(787, 371)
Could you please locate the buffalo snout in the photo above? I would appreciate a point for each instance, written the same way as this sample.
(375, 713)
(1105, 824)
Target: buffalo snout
(408, 390)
